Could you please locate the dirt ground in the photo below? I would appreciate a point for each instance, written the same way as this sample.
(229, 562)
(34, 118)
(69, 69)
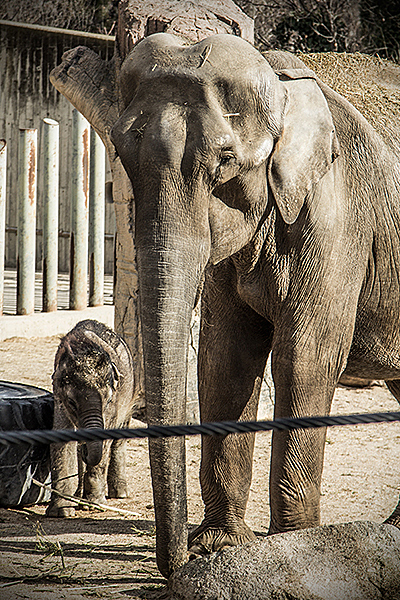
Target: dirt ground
(109, 555)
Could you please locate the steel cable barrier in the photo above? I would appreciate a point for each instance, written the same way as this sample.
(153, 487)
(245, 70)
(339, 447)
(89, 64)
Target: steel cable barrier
(9, 438)
(25, 459)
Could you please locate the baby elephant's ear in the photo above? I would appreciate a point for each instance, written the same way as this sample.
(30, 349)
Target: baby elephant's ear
(63, 350)
(307, 147)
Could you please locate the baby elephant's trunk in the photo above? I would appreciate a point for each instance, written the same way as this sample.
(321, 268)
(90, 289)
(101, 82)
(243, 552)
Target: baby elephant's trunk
(92, 453)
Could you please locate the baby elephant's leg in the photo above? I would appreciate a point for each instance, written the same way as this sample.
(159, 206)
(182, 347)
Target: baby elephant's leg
(116, 479)
(64, 470)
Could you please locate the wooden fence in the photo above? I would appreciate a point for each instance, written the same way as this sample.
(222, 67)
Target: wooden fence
(28, 53)
(87, 171)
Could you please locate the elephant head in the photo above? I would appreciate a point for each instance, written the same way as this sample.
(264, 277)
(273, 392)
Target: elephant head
(84, 382)
(212, 140)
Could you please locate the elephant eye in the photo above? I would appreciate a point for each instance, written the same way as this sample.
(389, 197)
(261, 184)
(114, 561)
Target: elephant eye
(226, 158)
(227, 166)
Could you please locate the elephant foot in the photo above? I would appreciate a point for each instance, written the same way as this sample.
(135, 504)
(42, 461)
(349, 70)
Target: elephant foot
(118, 490)
(394, 521)
(62, 512)
(205, 540)
(394, 518)
(95, 499)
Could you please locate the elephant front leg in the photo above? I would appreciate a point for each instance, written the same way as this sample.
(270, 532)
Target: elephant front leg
(295, 479)
(233, 350)
(394, 518)
(116, 478)
(225, 477)
(64, 470)
(304, 386)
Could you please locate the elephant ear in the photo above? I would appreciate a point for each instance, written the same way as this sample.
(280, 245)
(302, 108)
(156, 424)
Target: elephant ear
(307, 146)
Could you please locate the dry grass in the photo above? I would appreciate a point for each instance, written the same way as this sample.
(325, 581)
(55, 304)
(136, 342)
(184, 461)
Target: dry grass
(370, 83)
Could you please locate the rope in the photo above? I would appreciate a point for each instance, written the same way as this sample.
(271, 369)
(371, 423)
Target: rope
(8, 438)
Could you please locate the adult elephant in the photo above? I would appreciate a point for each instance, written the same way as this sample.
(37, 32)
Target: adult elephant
(259, 184)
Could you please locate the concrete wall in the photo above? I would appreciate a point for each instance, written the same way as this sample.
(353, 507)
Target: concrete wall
(28, 53)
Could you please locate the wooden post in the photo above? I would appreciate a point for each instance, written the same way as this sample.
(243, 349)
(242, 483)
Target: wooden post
(3, 177)
(96, 220)
(50, 213)
(27, 172)
(79, 212)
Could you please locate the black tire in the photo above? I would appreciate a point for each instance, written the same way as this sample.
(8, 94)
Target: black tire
(23, 407)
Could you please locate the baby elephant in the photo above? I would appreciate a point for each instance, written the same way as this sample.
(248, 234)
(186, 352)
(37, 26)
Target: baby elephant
(93, 384)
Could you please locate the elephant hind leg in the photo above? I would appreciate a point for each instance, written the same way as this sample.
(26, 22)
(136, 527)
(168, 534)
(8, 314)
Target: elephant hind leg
(394, 519)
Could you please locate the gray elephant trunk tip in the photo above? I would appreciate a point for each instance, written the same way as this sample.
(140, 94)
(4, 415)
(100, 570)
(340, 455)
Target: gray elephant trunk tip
(92, 453)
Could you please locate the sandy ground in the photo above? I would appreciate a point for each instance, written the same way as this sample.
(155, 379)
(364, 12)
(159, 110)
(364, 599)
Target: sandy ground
(108, 555)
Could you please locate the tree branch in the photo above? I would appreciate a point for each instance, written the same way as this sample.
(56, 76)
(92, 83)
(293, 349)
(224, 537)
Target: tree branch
(83, 502)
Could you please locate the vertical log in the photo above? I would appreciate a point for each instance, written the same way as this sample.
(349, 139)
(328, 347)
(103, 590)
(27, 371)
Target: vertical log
(193, 20)
(3, 181)
(96, 220)
(27, 169)
(79, 206)
(50, 213)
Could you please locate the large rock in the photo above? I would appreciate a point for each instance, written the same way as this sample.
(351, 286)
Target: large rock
(353, 561)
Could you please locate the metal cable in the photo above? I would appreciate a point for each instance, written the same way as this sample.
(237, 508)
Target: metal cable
(8, 438)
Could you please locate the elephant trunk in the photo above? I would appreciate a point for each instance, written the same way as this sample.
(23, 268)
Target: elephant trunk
(92, 451)
(170, 268)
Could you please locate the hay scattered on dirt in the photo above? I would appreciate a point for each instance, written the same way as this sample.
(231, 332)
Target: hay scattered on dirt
(370, 83)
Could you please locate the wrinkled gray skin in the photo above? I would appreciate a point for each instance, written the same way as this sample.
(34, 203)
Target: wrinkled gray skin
(93, 387)
(259, 182)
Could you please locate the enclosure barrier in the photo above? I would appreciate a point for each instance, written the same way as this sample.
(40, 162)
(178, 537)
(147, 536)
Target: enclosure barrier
(87, 234)
(9, 438)
(27, 172)
(80, 202)
(96, 220)
(50, 213)
(3, 172)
